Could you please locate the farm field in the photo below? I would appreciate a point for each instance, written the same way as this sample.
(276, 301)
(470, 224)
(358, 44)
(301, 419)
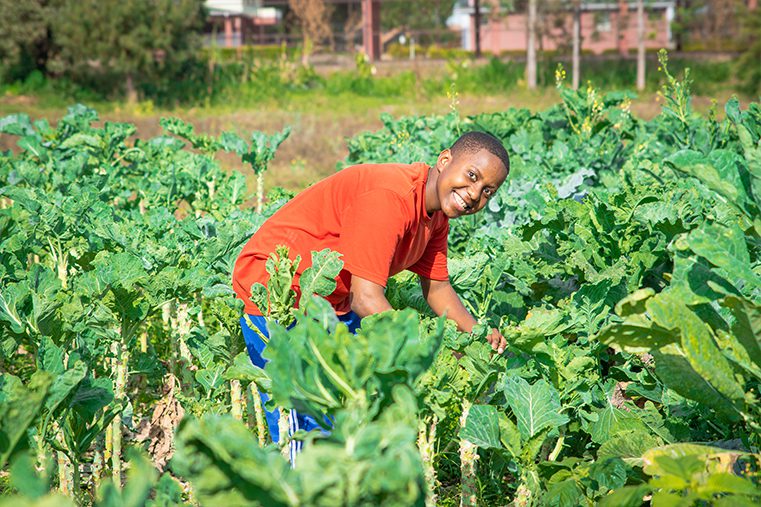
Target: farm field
(620, 260)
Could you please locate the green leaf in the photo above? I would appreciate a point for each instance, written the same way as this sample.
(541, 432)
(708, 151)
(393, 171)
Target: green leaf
(536, 406)
(509, 435)
(628, 496)
(611, 421)
(746, 326)
(141, 476)
(698, 344)
(65, 384)
(224, 462)
(19, 408)
(482, 427)
(636, 336)
(211, 378)
(50, 357)
(609, 473)
(25, 478)
(565, 493)
(243, 369)
(629, 446)
(723, 483)
(675, 371)
(718, 171)
(320, 277)
(724, 247)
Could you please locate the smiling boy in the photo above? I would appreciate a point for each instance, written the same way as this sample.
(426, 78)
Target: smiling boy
(383, 219)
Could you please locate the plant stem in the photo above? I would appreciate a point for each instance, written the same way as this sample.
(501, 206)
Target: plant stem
(468, 465)
(144, 342)
(121, 358)
(97, 466)
(558, 448)
(260, 192)
(425, 442)
(283, 425)
(65, 478)
(236, 400)
(261, 431)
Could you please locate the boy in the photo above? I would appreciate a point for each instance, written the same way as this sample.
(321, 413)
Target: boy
(382, 218)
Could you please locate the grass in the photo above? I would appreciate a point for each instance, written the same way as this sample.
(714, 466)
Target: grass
(341, 104)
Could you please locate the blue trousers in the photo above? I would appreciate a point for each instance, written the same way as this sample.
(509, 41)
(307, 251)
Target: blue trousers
(255, 346)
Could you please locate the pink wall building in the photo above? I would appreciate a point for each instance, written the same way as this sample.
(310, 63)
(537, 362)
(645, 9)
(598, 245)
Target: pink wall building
(604, 27)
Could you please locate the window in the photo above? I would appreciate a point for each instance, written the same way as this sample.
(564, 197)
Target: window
(602, 22)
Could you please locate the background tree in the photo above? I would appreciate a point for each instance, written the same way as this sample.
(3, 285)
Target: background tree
(427, 16)
(25, 40)
(314, 19)
(748, 66)
(640, 45)
(127, 42)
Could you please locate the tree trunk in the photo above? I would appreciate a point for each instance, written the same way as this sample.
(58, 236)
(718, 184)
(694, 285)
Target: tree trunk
(622, 27)
(531, 46)
(640, 45)
(477, 20)
(129, 85)
(576, 44)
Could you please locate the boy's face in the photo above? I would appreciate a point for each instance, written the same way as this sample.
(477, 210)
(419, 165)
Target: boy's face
(466, 182)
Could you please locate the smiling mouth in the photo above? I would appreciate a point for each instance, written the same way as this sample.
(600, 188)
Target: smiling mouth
(461, 202)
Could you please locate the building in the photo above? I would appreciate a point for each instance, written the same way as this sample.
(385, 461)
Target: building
(605, 26)
(233, 23)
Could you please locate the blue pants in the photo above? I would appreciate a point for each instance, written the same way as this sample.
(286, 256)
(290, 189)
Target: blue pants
(255, 347)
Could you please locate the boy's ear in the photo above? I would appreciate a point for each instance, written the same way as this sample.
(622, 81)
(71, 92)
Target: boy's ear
(445, 157)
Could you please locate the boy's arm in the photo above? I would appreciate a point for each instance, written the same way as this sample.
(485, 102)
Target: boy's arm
(442, 298)
(366, 297)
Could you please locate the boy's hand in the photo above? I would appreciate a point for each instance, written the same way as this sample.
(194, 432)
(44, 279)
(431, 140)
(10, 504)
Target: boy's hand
(497, 341)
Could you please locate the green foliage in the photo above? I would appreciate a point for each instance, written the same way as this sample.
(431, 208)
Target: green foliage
(620, 261)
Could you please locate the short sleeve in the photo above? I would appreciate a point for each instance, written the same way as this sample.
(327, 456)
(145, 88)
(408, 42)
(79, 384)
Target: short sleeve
(433, 263)
(370, 232)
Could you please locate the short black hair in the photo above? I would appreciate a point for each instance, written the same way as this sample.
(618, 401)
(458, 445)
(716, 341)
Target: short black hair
(473, 142)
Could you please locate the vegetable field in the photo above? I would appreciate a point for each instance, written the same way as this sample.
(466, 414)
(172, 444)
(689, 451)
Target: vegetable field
(621, 260)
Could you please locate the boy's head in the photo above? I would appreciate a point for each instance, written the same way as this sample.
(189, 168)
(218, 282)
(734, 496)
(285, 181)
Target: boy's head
(469, 173)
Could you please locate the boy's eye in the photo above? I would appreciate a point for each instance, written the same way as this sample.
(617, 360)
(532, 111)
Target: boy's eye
(489, 192)
(472, 175)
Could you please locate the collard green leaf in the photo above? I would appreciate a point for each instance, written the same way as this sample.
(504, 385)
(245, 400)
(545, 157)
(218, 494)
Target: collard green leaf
(536, 406)
(628, 496)
(611, 421)
(746, 326)
(629, 446)
(482, 427)
(636, 337)
(20, 406)
(243, 369)
(697, 344)
(675, 371)
(320, 277)
(724, 247)
(565, 493)
(226, 465)
(65, 384)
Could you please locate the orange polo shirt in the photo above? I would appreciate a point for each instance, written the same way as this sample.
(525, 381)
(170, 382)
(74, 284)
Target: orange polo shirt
(373, 214)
